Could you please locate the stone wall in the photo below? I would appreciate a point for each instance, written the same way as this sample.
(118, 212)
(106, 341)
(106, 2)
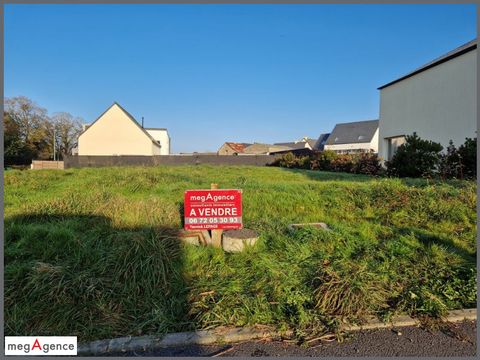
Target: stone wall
(79, 161)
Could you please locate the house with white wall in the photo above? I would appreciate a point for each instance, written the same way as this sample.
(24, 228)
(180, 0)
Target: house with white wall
(116, 132)
(161, 136)
(438, 101)
(353, 137)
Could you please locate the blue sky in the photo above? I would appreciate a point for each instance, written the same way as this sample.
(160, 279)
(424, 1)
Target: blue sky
(215, 73)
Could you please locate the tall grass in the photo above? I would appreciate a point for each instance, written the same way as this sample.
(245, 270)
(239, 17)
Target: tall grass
(95, 253)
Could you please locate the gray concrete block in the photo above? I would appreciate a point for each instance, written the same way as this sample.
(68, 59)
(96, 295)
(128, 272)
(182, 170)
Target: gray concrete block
(237, 240)
(318, 225)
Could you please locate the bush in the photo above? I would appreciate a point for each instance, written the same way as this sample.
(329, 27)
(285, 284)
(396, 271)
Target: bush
(415, 158)
(367, 163)
(328, 160)
(450, 165)
(459, 163)
(322, 160)
(468, 158)
(342, 163)
(289, 160)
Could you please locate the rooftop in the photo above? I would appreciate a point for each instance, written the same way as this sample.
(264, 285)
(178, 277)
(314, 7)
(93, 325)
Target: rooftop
(353, 132)
(237, 147)
(469, 46)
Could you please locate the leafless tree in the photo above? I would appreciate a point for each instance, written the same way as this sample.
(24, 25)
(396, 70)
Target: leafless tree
(67, 128)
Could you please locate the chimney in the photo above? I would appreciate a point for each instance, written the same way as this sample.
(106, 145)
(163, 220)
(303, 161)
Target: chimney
(142, 121)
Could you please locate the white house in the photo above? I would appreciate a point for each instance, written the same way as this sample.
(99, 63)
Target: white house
(162, 137)
(353, 137)
(116, 132)
(438, 101)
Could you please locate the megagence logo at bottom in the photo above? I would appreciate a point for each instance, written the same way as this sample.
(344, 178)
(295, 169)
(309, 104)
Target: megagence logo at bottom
(40, 345)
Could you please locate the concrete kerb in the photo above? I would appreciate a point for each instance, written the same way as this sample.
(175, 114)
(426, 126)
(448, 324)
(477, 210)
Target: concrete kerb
(201, 337)
(225, 335)
(405, 320)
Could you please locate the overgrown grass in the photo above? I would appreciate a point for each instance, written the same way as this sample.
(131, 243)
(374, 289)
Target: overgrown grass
(94, 253)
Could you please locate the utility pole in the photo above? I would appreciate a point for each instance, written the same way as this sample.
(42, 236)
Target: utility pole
(54, 143)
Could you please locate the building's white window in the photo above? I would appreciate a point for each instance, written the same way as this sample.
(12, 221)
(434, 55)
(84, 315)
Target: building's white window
(393, 144)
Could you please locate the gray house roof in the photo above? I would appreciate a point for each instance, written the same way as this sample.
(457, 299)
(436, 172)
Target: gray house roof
(353, 132)
(469, 46)
(319, 144)
(292, 145)
(301, 144)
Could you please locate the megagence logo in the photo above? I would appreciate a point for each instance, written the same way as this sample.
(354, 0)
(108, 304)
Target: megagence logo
(40, 345)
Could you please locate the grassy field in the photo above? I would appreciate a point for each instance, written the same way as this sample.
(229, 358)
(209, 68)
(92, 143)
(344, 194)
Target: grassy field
(94, 253)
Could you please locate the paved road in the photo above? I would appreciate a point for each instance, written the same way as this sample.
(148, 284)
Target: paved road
(457, 340)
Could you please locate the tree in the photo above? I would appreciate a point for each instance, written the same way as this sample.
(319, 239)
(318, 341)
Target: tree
(30, 133)
(31, 121)
(468, 158)
(29, 117)
(67, 129)
(15, 151)
(415, 158)
(450, 163)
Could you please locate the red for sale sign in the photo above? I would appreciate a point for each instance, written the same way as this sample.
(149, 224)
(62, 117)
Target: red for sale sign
(213, 209)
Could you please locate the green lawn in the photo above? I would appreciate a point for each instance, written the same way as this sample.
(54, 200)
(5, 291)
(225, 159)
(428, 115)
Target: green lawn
(94, 253)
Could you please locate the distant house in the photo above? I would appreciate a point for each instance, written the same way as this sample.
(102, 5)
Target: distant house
(262, 149)
(232, 148)
(116, 132)
(354, 137)
(438, 101)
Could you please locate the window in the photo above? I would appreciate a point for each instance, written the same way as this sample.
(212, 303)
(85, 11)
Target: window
(393, 144)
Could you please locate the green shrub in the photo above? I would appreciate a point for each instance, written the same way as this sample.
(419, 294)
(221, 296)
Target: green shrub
(322, 160)
(303, 162)
(468, 158)
(415, 158)
(459, 163)
(328, 160)
(289, 160)
(450, 164)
